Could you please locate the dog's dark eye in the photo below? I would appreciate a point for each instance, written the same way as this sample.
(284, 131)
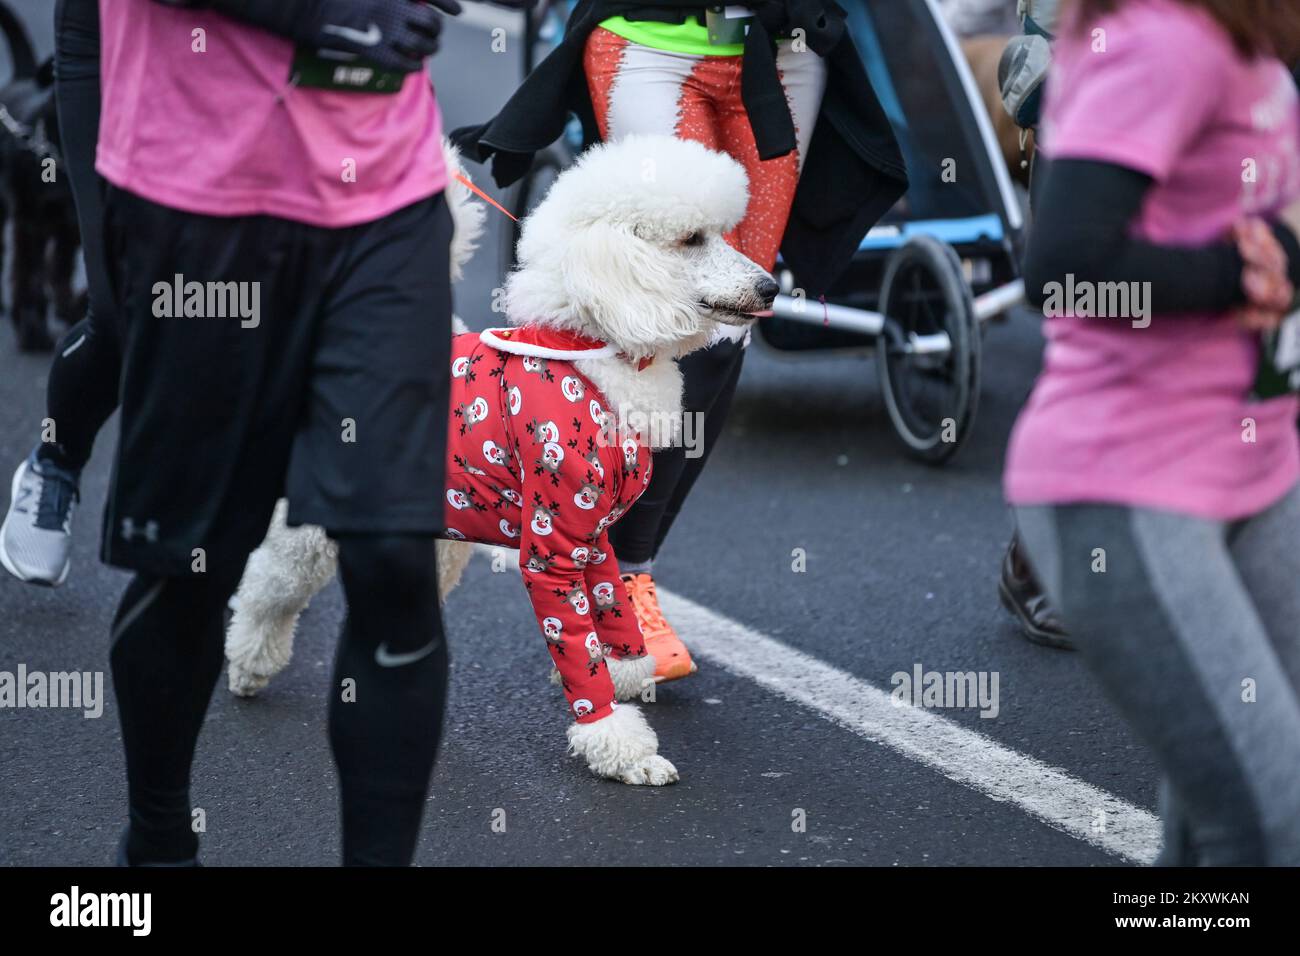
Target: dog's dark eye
(694, 239)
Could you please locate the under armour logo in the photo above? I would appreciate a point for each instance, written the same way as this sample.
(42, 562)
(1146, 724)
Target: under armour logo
(149, 532)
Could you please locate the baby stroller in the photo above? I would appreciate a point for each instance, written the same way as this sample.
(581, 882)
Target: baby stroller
(940, 265)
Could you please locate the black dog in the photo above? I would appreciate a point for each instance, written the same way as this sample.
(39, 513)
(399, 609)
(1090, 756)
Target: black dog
(35, 195)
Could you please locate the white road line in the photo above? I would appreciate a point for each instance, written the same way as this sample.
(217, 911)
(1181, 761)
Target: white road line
(969, 758)
(1060, 800)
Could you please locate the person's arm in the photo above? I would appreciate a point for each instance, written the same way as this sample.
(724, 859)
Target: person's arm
(392, 34)
(1084, 211)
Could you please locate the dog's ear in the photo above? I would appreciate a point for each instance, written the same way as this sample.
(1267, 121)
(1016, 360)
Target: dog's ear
(627, 288)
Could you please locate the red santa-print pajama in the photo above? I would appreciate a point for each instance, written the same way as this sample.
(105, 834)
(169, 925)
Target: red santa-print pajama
(640, 89)
(534, 463)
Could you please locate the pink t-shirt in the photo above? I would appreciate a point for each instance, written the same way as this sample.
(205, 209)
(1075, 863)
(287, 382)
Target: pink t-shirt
(222, 133)
(1159, 417)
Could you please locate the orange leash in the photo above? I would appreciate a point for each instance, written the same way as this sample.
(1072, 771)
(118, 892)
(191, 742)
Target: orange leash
(478, 192)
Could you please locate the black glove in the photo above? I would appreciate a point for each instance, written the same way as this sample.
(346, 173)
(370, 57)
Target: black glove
(392, 34)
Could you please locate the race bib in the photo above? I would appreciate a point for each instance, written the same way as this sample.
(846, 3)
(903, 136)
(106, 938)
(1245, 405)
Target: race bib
(315, 70)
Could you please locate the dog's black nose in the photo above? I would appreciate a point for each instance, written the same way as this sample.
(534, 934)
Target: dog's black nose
(767, 289)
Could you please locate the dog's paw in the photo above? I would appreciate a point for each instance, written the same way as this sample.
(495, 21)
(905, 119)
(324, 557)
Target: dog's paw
(245, 683)
(651, 771)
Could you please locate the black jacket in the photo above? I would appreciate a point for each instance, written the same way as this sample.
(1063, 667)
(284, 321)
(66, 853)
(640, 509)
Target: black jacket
(853, 172)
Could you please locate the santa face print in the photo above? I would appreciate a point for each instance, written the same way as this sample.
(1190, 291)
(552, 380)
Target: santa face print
(543, 521)
(514, 400)
(458, 499)
(586, 498)
(494, 453)
(592, 644)
(572, 388)
(580, 557)
(507, 529)
(460, 366)
(551, 627)
(582, 707)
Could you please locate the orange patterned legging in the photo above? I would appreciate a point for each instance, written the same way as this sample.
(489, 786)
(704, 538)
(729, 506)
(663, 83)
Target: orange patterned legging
(639, 89)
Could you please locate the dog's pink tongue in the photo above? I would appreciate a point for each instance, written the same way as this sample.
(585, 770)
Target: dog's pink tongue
(762, 314)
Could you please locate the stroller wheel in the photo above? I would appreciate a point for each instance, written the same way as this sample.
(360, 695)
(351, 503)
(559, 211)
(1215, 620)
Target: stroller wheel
(928, 353)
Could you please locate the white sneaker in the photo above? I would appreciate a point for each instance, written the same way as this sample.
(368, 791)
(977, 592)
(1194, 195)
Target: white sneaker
(36, 537)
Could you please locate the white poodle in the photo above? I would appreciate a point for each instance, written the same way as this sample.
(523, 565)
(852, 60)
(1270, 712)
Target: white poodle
(622, 269)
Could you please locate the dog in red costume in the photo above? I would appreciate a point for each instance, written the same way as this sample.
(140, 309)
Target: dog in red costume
(622, 269)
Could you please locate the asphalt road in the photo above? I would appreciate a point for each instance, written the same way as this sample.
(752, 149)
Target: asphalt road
(901, 570)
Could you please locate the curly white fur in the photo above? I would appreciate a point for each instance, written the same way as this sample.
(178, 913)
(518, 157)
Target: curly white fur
(622, 746)
(626, 247)
(630, 675)
(286, 571)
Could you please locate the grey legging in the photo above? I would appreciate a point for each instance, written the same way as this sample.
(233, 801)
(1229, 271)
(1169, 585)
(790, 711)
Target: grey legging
(1193, 629)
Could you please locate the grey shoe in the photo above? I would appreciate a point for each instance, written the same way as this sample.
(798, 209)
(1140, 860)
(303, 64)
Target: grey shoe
(36, 537)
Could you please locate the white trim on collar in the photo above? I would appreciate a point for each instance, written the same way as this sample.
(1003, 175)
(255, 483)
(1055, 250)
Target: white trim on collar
(489, 338)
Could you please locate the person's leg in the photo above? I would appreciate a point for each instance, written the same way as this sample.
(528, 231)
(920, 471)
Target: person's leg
(638, 89)
(82, 389)
(165, 655)
(389, 694)
(82, 392)
(1018, 590)
(1266, 551)
(638, 535)
(772, 182)
(710, 376)
(368, 465)
(1158, 609)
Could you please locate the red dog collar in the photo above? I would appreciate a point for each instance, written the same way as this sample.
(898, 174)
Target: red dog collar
(542, 341)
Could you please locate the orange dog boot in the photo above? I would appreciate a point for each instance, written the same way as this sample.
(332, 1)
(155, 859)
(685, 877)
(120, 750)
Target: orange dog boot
(672, 659)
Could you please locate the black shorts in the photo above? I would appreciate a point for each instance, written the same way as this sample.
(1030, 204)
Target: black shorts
(318, 369)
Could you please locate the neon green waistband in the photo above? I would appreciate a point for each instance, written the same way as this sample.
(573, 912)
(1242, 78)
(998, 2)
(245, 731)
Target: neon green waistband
(688, 37)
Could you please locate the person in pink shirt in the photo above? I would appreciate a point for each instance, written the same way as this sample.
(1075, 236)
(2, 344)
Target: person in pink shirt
(1155, 471)
(277, 241)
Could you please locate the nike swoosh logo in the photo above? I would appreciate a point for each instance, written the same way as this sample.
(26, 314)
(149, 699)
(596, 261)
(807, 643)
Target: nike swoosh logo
(369, 38)
(386, 658)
